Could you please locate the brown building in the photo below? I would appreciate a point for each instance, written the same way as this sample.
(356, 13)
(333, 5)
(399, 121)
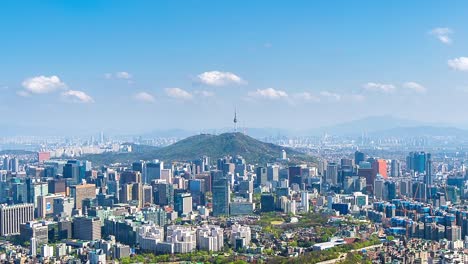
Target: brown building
(81, 192)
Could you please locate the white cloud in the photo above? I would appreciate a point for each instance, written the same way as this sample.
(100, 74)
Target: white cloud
(77, 96)
(379, 87)
(268, 93)
(144, 97)
(123, 75)
(306, 96)
(414, 86)
(331, 95)
(178, 93)
(43, 84)
(442, 34)
(459, 64)
(118, 75)
(204, 93)
(218, 78)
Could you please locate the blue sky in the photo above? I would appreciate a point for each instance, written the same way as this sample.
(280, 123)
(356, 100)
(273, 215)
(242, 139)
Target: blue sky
(135, 66)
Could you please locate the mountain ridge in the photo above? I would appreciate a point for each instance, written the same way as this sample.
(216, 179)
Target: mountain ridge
(213, 146)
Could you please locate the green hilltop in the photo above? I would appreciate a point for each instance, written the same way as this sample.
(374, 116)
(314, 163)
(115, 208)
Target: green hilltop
(213, 146)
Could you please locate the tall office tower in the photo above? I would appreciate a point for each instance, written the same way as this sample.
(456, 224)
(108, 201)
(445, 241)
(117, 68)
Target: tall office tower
(14, 164)
(416, 161)
(87, 228)
(332, 173)
(130, 176)
(395, 170)
(81, 192)
(183, 203)
(305, 201)
(380, 167)
(138, 166)
(428, 170)
(295, 175)
(163, 193)
(6, 163)
(359, 157)
(379, 188)
(147, 194)
(12, 216)
(221, 195)
(273, 173)
(261, 173)
(132, 191)
(153, 170)
(267, 202)
(73, 171)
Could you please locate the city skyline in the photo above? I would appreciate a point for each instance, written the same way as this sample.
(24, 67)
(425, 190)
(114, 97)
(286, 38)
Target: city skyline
(168, 64)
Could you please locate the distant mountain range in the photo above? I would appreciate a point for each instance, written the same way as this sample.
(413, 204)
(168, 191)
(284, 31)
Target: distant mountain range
(390, 126)
(214, 146)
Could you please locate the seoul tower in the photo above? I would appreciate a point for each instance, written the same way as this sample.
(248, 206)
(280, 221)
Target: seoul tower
(235, 120)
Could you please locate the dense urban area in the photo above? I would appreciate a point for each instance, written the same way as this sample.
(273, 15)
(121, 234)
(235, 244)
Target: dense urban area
(335, 201)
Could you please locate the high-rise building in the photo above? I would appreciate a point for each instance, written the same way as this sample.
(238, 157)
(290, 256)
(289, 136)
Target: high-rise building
(261, 173)
(332, 173)
(81, 192)
(147, 195)
(153, 171)
(87, 228)
(359, 157)
(130, 176)
(183, 203)
(12, 216)
(163, 193)
(416, 161)
(267, 202)
(273, 173)
(14, 164)
(73, 171)
(428, 170)
(395, 170)
(380, 167)
(221, 195)
(295, 175)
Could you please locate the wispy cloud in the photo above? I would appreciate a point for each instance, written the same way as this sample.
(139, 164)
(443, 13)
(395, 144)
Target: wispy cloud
(459, 64)
(442, 34)
(218, 78)
(414, 86)
(379, 87)
(144, 97)
(268, 93)
(119, 75)
(178, 93)
(331, 95)
(77, 96)
(43, 84)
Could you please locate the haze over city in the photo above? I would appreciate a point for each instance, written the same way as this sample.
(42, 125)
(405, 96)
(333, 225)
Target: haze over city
(151, 65)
